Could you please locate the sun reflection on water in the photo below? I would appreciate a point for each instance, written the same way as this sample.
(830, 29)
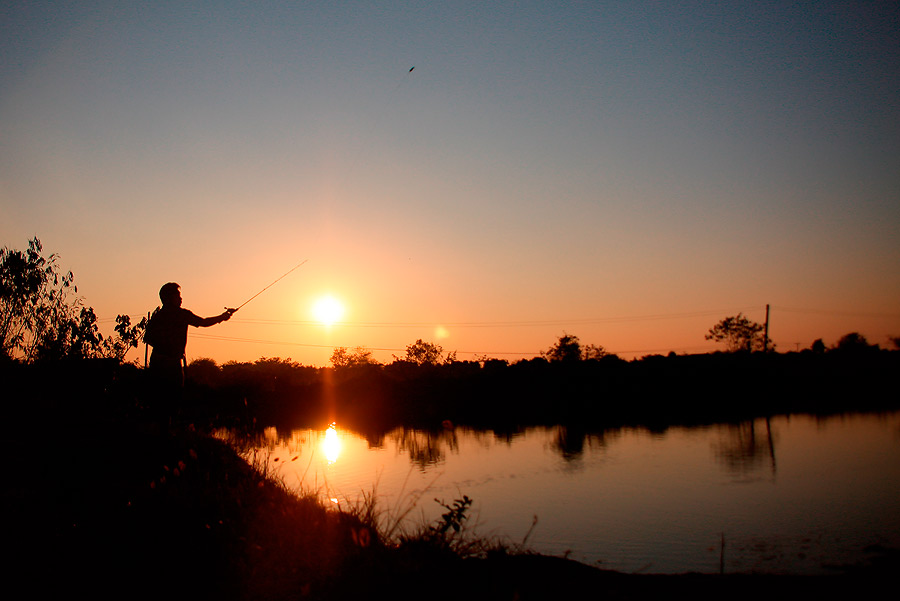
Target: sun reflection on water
(331, 446)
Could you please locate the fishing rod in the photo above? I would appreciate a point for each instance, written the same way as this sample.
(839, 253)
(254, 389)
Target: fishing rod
(297, 266)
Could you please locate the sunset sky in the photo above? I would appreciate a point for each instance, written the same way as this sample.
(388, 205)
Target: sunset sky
(628, 172)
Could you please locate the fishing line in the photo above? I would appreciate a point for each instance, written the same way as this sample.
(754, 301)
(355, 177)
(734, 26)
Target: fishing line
(297, 266)
(388, 104)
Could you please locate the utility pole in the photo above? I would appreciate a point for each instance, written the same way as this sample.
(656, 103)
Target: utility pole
(766, 335)
(145, 341)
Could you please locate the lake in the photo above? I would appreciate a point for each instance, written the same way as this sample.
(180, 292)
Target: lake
(797, 494)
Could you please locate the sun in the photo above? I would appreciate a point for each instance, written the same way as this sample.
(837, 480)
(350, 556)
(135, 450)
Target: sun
(328, 310)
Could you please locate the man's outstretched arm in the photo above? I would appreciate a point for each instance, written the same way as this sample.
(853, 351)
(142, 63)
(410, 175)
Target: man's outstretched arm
(205, 322)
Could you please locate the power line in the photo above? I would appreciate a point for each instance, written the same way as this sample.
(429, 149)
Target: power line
(498, 324)
(332, 346)
(483, 324)
(468, 324)
(836, 313)
(510, 324)
(544, 322)
(461, 352)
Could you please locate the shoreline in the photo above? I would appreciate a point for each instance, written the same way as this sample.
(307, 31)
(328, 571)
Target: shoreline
(112, 504)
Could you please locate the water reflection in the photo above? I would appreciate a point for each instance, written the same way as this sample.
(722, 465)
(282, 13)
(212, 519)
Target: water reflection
(570, 442)
(425, 449)
(742, 449)
(632, 497)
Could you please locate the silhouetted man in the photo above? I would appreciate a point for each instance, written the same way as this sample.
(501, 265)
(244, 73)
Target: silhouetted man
(167, 334)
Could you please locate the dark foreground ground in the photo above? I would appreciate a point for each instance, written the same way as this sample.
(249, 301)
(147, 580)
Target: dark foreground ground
(104, 500)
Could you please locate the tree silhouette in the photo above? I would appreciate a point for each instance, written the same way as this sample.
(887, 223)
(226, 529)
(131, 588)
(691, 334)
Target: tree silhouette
(739, 334)
(566, 349)
(424, 353)
(32, 292)
(569, 348)
(854, 342)
(343, 357)
(42, 318)
(593, 352)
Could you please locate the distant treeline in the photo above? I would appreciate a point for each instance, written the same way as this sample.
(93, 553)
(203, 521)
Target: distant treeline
(608, 391)
(652, 391)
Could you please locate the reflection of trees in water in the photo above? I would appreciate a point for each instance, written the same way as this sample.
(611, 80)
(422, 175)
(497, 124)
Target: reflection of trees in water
(425, 448)
(744, 447)
(506, 435)
(374, 440)
(488, 438)
(245, 442)
(570, 441)
(256, 446)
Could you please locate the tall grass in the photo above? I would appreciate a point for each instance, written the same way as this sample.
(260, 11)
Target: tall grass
(398, 524)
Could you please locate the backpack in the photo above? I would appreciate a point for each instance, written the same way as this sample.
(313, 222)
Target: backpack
(150, 331)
